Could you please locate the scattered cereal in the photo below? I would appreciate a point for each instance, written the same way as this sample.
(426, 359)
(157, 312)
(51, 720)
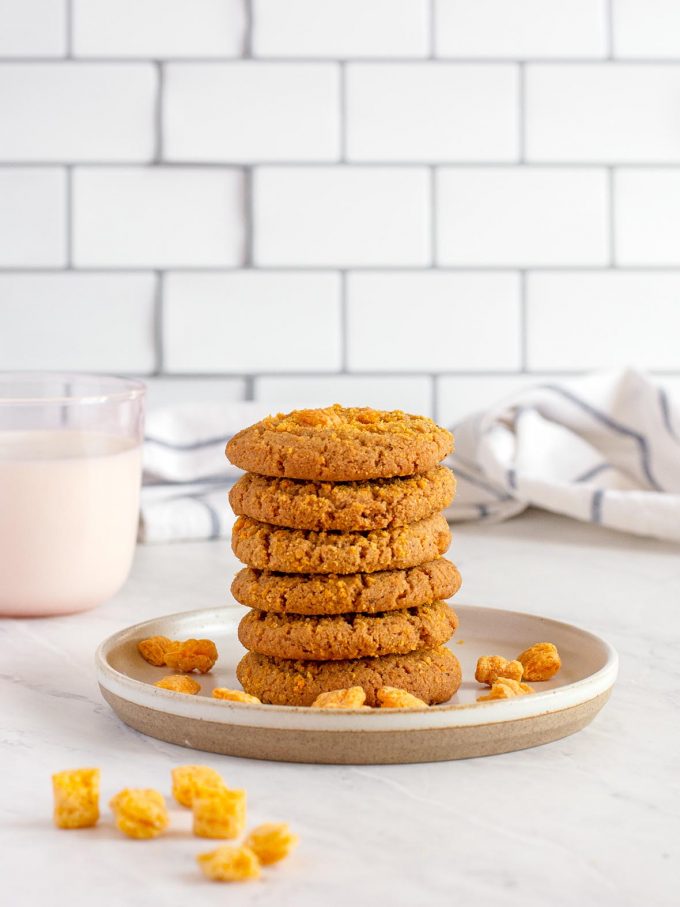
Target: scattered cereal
(219, 812)
(394, 698)
(491, 667)
(229, 864)
(188, 779)
(193, 655)
(76, 798)
(234, 695)
(351, 698)
(140, 813)
(541, 661)
(271, 842)
(506, 688)
(179, 683)
(154, 648)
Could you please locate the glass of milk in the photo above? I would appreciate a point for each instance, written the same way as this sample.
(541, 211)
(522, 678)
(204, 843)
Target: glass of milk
(70, 472)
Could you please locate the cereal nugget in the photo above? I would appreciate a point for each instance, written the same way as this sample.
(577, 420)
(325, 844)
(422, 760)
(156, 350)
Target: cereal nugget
(154, 648)
(76, 797)
(271, 842)
(235, 696)
(229, 864)
(188, 779)
(395, 698)
(491, 667)
(506, 688)
(541, 661)
(179, 683)
(193, 655)
(349, 698)
(140, 812)
(219, 812)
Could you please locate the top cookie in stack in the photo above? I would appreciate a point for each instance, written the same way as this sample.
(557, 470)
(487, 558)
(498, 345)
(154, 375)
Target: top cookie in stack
(340, 526)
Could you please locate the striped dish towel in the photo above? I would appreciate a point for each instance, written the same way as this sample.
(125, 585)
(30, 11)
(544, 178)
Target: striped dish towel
(603, 449)
(186, 475)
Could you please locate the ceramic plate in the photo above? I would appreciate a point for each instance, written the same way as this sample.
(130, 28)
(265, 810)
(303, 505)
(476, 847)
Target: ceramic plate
(458, 729)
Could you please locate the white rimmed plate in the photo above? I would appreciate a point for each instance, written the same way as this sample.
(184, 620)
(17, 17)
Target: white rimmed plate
(458, 729)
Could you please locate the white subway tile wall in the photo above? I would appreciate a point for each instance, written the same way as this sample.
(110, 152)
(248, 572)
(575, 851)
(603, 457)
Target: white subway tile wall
(427, 204)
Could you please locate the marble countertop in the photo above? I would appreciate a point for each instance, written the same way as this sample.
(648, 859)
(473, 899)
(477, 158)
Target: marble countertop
(592, 820)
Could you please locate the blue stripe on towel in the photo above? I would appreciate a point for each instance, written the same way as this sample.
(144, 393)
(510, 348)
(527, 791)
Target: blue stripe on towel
(596, 506)
(666, 413)
(591, 473)
(615, 426)
(480, 483)
(214, 517)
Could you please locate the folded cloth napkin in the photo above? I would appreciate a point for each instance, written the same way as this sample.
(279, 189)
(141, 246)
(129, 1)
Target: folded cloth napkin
(603, 449)
(186, 475)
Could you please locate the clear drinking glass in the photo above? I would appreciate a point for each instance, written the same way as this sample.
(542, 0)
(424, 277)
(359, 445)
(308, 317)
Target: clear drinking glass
(70, 473)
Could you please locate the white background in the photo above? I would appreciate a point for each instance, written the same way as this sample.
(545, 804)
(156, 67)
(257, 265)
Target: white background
(415, 204)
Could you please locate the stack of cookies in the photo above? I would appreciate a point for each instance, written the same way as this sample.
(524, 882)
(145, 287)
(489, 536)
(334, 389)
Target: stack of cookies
(341, 531)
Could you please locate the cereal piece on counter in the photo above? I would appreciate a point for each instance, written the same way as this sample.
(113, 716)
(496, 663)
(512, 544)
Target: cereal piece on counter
(154, 648)
(179, 683)
(76, 797)
(350, 698)
(234, 695)
(271, 842)
(219, 812)
(140, 812)
(505, 688)
(491, 667)
(541, 661)
(188, 779)
(394, 698)
(229, 864)
(193, 655)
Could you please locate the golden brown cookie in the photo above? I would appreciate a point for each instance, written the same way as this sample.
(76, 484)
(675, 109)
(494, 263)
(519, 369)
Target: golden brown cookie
(340, 445)
(386, 590)
(344, 506)
(432, 675)
(347, 635)
(269, 547)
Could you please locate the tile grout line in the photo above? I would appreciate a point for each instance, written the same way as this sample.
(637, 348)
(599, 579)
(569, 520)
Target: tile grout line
(523, 324)
(158, 324)
(344, 325)
(248, 30)
(68, 29)
(434, 211)
(396, 60)
(158, 112)
(432, 31)
(68, 215)
(434, 397)
(609, 16)
(249, 388)
(248, 219)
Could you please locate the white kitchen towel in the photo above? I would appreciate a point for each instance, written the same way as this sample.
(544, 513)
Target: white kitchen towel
(186, 475)
(604, 449)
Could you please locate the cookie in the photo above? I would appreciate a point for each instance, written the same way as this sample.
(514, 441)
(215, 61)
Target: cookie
(344, 506)
(269, 547)
(340, 445)
(347, 635)
(387, 590)
(432, 675)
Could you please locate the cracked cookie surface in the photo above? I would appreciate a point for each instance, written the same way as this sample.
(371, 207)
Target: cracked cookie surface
(337, 444)
(386, 590)
(270, 547)
(349, 635)
(348, 506)
(432, 675)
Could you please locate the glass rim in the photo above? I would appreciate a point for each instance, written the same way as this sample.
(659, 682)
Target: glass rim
(109, 388)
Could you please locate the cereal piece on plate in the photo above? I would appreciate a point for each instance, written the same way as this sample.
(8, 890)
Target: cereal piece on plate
(541, 661)
(505, 688)
(394, 698)
(219, 812)
(271, 842)
(229, 864)
(76, 798)
(193, 655)
(179, 683)
(350, 698)
(188, 779)
(491, 667)
(140, 812)
(234, 695)
(154, 648)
